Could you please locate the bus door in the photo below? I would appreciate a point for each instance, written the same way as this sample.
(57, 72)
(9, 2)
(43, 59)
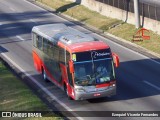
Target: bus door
(70, 85)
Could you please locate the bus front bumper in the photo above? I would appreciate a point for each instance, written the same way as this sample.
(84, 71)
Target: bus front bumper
(96, 94)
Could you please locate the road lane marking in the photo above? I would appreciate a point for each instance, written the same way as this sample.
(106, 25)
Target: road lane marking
(150, 84)
(98, 35)
(12, 9)
(19, 37)
(32, 20)
(41, 86)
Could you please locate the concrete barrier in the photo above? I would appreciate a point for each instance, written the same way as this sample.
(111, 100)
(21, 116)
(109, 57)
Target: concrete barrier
(120, 14)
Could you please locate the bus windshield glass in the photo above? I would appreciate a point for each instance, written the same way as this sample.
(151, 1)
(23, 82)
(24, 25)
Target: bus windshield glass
(94, 68)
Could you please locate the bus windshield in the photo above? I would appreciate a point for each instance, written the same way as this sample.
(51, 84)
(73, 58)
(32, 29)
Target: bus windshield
(95, 71)
(93, 67)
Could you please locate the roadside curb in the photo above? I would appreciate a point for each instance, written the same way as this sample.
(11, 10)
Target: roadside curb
(112, 37)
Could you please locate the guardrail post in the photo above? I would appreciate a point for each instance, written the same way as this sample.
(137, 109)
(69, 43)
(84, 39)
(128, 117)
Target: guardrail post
(136, 12)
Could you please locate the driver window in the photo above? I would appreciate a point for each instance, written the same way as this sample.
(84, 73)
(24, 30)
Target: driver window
(81, 71)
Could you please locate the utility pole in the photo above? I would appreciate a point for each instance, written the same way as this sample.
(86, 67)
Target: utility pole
(136, 12)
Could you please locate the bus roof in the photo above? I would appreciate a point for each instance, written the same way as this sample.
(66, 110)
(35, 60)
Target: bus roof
(62, 33)
(86, 46)
(69, 38)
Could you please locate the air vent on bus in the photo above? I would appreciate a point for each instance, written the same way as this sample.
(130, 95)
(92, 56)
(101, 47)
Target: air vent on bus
(65, 39)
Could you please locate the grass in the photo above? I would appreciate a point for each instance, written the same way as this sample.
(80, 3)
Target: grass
(125, 30)
(87, 16)
(55, 3)
(16, 96)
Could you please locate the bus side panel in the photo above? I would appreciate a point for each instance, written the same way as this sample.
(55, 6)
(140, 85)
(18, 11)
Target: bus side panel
(71, 91)
(49, 74)
(52, 77)
(39, 64)
(37, 61)
(65, 81)
(64, 73)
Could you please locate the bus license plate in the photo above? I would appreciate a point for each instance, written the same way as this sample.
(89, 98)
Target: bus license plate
(97, 94)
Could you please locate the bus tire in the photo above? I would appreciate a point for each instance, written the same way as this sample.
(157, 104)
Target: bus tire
(44, 75)
(66, 91)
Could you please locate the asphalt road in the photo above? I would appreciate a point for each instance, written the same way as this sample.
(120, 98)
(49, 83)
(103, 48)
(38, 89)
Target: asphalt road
(138, 76)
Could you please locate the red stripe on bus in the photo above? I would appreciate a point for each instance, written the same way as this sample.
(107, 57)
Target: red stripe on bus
(103, 85)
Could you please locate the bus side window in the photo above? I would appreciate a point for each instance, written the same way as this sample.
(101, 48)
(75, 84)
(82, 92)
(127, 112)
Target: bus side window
(61, 55)
(39, 42)
(67, 56)
(50, 49)
(45, 45)
(56, 53)
(34, 37)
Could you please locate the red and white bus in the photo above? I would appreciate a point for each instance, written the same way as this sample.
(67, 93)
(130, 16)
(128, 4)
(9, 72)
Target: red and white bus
(79, 64)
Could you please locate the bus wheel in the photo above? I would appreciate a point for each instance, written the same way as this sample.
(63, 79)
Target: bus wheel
(44, 75)
(66, 91)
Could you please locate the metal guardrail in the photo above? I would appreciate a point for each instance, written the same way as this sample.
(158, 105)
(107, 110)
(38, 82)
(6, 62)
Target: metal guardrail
(146, 9)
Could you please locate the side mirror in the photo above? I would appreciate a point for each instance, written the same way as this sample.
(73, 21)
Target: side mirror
(71, 67)
(115, 59)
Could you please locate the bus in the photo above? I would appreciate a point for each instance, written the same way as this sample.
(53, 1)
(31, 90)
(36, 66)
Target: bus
(79, 64)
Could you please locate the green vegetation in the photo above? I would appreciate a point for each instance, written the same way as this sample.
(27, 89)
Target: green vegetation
(87, 16)
(55, 3)
(16, 96)
(125, 30)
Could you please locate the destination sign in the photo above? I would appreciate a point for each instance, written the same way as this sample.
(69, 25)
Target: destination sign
(91, 55)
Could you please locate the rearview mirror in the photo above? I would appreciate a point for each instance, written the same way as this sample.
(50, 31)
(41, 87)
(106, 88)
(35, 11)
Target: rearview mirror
(71, 67)
(115, 59)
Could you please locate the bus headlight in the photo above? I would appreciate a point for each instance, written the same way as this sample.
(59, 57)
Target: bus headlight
(79, 89)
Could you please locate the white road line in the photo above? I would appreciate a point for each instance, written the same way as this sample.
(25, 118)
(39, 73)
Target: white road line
(41, 86)
(100, 36)
(12, 9)
(150, 84)
(32, 20)
(19, 37)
